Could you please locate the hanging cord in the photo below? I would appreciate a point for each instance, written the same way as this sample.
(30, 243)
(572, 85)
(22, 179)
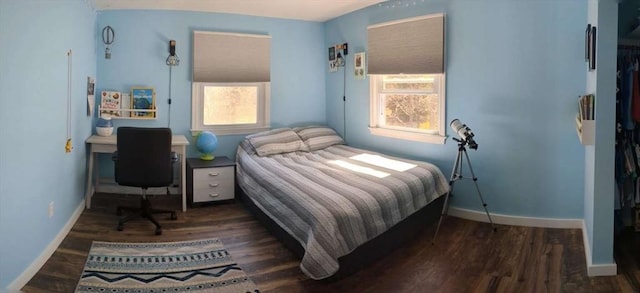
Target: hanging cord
(344, 101)
(68, 145)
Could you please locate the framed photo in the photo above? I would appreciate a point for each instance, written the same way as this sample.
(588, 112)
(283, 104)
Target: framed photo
(359, 65)
(332, 59)
(143, 98)
(332, 53)
(590, 47)
(587, 43)
(592, 56)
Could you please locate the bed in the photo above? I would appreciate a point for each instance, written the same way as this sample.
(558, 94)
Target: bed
(336, 207)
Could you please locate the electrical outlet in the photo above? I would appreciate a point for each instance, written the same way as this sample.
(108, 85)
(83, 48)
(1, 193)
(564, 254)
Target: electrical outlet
(50, 209)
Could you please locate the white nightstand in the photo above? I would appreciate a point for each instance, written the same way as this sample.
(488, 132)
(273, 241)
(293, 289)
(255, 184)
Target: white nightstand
(210, 181)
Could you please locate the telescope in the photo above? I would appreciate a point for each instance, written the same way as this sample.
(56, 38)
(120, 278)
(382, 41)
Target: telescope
(466, 138)
(465, 133)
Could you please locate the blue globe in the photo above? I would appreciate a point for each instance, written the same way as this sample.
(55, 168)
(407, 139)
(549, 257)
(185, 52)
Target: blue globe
(206, 143)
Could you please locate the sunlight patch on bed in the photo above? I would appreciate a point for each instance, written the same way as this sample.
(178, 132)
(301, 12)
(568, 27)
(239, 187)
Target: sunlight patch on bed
(384, 162)
(359, 169)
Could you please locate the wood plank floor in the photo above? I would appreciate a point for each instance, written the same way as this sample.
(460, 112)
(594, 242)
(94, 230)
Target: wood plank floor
(467, 257)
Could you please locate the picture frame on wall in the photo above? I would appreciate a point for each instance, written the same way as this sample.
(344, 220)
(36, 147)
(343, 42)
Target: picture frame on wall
(333, 66)
(587, 43)
(359, 65)
(590, 47)
(592, 56)
(143, 98)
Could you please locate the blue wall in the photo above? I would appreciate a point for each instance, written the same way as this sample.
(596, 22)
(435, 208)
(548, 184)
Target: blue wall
(514, 72)
(141, 47)
(34, 168)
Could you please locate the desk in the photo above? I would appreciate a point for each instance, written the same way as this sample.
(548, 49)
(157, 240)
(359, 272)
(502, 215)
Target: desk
(107, 144)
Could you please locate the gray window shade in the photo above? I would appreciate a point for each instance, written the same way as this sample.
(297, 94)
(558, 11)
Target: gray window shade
(229, 57)
(412, 46)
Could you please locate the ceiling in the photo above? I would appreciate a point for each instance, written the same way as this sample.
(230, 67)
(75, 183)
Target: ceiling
(311, 10)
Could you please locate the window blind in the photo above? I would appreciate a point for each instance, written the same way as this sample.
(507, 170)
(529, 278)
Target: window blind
(231, 57)
(409, 46)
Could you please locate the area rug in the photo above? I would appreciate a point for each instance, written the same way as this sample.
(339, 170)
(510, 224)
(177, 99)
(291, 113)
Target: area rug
(186, 266)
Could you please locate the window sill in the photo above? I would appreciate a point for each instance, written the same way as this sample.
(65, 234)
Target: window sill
(407, 135)
(231, 130)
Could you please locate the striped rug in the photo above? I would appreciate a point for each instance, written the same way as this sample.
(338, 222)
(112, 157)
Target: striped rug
(186, 266)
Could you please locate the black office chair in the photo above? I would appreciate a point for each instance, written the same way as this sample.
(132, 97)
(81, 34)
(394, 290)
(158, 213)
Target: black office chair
(144, 159)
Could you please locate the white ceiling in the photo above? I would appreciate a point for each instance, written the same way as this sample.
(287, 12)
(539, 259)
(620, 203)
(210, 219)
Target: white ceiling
(312, 10)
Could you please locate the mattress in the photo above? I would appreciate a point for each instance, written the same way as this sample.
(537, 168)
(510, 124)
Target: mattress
(334, 199)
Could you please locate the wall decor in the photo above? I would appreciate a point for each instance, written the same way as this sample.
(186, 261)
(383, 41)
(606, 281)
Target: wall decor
(359, 65)
(108, 35)
(592, 55)
(590, 47)
(332, 59)
(587, 43)
(337, 53)
(91, 99)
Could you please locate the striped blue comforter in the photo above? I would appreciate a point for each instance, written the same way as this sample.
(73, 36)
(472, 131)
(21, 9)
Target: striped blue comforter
(335, 199)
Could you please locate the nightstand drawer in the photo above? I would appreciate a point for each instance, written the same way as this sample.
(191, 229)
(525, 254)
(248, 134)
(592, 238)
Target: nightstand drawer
(212, 184)
(210, 181)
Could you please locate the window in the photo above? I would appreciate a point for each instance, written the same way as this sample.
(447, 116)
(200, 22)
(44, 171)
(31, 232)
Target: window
(231, 82)
(408, 106)
(407, 79)
(230, 108)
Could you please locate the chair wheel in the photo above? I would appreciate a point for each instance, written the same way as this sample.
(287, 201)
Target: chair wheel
(120, 227)
(174, 216)
(158, 231)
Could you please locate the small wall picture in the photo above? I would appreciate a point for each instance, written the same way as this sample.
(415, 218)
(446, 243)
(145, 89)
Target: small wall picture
(333, 65)
(359, 65)
(587, 43)
(590, 47)
(143, 98)
(592, 56)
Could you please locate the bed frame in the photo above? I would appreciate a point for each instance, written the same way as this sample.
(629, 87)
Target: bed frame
(368, 252)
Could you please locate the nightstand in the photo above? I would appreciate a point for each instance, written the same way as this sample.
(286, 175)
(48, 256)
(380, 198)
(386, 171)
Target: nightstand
(210, 181)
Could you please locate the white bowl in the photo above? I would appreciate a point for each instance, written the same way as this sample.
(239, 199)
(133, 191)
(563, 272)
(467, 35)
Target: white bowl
(104, 131)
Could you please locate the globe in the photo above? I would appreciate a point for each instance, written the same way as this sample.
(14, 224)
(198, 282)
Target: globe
(206, 143)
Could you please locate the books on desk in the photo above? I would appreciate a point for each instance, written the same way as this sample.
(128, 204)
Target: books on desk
(586, 107)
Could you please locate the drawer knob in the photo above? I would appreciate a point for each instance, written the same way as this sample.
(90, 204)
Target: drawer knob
(214, 185)
(214, 194)
(214, 174)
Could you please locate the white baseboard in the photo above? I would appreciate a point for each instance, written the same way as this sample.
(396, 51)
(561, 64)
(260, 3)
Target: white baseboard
(597, 269)
(35, 266)
(593, 270)
(516, 220)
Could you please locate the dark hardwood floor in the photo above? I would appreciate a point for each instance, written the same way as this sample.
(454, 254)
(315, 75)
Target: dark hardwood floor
(467, 256)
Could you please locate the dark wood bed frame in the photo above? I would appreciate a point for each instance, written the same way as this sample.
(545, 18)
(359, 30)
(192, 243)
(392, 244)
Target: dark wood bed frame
(368, 252)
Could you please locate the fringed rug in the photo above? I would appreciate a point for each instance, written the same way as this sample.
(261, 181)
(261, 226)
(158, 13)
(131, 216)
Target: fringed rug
(186, 266)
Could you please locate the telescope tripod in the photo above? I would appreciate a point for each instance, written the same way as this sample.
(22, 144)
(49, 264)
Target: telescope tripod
(456, 174)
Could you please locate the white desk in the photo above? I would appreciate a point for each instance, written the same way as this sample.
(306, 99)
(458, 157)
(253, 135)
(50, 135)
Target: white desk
(107, 144)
